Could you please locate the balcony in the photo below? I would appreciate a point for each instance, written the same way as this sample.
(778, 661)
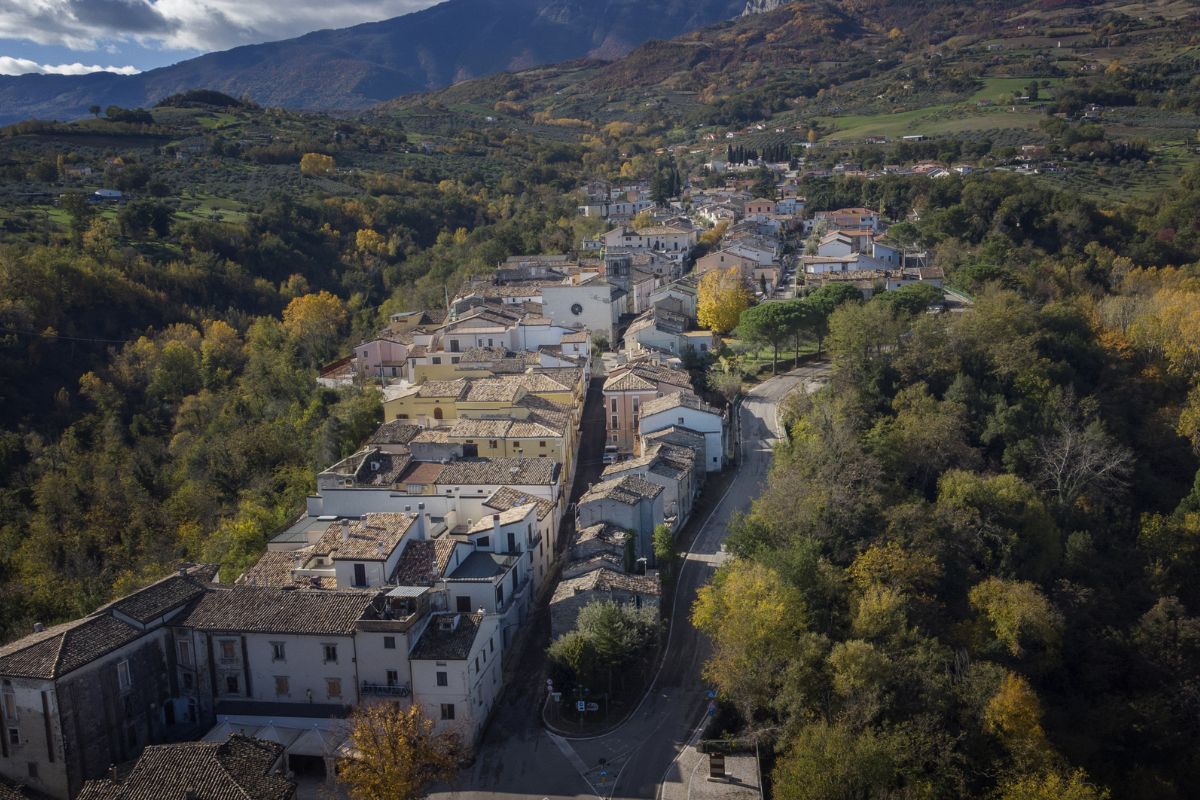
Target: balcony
(383, 690)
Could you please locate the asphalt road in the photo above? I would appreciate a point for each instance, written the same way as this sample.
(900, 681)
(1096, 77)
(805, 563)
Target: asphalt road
(519, 758)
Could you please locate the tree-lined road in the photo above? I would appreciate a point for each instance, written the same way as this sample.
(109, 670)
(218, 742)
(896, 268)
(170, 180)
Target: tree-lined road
(519, 758)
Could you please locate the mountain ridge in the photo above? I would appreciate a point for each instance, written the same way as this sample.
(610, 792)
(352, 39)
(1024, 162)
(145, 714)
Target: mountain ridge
(346, 69)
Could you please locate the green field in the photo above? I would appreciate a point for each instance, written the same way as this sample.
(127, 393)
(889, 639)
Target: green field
(945, 118)
(929, 121)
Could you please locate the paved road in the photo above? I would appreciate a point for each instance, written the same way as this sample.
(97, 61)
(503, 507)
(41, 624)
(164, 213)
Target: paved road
(520, 759)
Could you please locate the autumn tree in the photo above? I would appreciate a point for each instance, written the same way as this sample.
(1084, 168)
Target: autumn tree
(316, 164)
(315, 322)
(1053, 785)
(396, 753)
(1014, 715)
(1018, 615)
(759, 628)
(722, 298)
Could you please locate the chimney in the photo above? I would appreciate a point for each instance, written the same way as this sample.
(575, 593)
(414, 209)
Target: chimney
(345, 530)
(496, 527)
(422, 521)
(38, 627)
(183, 570)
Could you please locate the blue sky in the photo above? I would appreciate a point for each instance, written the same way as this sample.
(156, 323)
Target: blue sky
(76, 36)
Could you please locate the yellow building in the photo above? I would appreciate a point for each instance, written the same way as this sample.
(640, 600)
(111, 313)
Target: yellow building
(431, 403)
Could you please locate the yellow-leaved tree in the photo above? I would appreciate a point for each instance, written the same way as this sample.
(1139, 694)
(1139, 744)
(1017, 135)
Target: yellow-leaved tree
(316, 164)
(758, 624)
(396, 753)
(315, 321)
(1014, 715)
(722, 298)
(1053, 785)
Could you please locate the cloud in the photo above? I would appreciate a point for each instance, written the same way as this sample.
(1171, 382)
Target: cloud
(23, 66)
(184, 24)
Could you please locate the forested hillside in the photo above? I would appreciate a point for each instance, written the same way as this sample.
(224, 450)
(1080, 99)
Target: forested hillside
(157, 358)
(974, 571)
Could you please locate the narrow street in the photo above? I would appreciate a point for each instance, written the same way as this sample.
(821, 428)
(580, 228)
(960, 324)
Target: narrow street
(518, 758)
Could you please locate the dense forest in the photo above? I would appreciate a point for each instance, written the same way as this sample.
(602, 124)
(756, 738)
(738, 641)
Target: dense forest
(974, 570)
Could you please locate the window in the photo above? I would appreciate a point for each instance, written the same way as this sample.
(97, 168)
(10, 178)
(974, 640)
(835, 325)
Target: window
(330, 653)
(443, 679)
(463, 604)
(360, 574)
(231, 684)
(188, 681)
(447, 711)
(185, 652)
(476, 664)
(282, 688)
(278, 651)
(680, 420)
(614, 405)
(437, 359)
(10, 702)
(393, 678)
(454, 359)
(333, 688)
(228, 650)
(124, 681)
(33, 769)
(454, 345)
(541, 444)
(483, 541)
(389, 643)
(493, 443)
(499, 596)
(14, 737)
(512, 542)
(616, 423)
(636, 405)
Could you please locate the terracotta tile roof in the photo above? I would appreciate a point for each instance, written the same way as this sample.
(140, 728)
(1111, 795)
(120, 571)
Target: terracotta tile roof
(593, 561)
(422, 473)
(628, 381)
(417, 563)
(274, 568)
(471, 428)
(508, 516)
(453, 389)
(574, 338)
(608, 581)
(278, 610)
(398, 431)
(629, 490)
(64, 648)
(447, 641)
(164, 596)
(236, 769)
(381, 469)
(494, 390)
(650, 375)
(603, 532)
(507, 497)
(678, 435)
(676, 400)
(538, 382)
(501, 472)
(432, 436)
(372, 538)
